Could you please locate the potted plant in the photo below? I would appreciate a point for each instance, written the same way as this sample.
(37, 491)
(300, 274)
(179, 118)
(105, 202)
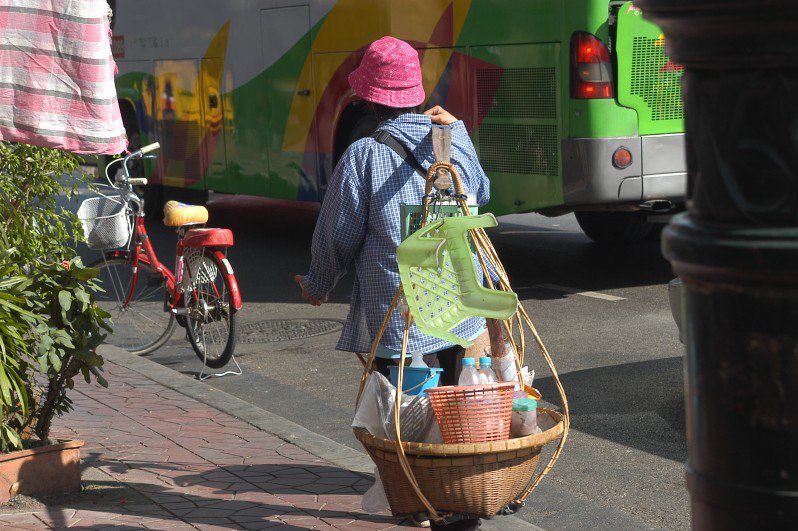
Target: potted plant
(50, 325)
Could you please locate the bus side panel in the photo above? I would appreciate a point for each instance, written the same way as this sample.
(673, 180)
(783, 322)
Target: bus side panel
(136, 86)
(330, 72)
(517, 103)
(495, 22)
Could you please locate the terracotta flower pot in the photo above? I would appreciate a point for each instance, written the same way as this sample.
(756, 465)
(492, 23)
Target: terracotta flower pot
(42, 471)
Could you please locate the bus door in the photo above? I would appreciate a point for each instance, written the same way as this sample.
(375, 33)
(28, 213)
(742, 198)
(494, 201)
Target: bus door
(213, 115)
(179, 119)
(285, 48)
(517, 96)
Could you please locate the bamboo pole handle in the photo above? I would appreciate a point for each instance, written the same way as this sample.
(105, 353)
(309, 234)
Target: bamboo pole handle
(457, 182)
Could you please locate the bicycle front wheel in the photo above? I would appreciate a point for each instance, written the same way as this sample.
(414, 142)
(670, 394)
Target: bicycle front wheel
(210, 317)
(142, 324)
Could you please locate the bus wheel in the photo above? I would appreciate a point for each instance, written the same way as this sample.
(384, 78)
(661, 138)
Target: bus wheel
(614, 227)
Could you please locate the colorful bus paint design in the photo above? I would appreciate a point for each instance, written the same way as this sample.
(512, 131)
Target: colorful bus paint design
(251, 96)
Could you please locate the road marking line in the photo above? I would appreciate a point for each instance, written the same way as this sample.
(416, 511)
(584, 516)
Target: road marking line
(541, 231)
(574, 291)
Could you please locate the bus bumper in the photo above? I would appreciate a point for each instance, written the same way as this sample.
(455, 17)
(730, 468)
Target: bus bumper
(658, 170)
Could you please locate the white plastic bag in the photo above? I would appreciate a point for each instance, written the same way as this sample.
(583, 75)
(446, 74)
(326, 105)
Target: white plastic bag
(375, 500)
(375, 403)
(375, 413)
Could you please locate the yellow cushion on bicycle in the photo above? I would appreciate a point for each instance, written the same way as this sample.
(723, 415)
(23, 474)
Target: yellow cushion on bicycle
(178, 214)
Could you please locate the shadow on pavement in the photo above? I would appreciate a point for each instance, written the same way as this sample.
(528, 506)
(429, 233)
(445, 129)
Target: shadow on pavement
(644, 412)
(227, 495)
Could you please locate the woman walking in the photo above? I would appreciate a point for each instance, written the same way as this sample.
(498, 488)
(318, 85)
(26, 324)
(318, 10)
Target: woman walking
(359, 224)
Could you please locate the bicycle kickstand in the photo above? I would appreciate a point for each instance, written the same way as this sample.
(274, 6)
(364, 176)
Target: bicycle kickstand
(202, 376)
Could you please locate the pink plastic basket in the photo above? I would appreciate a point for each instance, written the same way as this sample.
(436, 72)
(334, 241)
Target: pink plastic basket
(475, 413)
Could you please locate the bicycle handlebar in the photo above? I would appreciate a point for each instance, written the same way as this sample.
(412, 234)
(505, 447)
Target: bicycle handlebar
(149, 148)
(137, 181)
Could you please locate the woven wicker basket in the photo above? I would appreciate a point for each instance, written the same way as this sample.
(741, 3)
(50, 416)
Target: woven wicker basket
(475, 479)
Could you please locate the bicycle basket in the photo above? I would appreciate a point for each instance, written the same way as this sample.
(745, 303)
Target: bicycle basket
(105, 222)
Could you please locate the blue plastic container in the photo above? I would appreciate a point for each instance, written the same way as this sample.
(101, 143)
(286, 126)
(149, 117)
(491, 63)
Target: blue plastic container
(416, 380)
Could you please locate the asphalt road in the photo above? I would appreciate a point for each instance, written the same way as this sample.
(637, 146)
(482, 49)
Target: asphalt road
(603, 314)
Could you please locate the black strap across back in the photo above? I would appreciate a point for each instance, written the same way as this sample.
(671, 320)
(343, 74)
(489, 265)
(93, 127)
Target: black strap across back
(387, 139)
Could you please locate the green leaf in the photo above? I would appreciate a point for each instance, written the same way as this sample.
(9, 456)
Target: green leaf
(65, 300)
(66, 341)
(5, 388)
(12, 436)
(45, 344)
(55, 360)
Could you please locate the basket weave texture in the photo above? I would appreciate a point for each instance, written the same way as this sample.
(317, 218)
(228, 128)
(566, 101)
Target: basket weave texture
(470, 479)
(473, 413)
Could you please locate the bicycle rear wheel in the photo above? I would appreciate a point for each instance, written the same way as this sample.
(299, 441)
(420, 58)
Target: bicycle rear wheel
(142, 325)
(211, 317)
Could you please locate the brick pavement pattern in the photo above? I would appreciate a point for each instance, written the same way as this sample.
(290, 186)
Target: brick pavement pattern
(198, 468)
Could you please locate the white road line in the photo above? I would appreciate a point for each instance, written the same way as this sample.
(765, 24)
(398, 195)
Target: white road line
(574, 291)
(541, 231)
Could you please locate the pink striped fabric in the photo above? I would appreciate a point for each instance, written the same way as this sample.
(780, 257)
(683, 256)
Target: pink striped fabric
(57, 76)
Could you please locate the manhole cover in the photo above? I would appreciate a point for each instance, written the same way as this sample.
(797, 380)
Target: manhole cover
(274, 330)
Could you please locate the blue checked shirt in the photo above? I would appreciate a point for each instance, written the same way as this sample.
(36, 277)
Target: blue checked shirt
(360, 224)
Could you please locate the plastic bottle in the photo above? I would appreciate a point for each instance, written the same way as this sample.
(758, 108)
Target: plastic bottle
(418, 361)
(486, 374)
(469, 375)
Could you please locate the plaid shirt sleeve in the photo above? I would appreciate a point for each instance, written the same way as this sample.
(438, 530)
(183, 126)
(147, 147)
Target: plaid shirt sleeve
(341, 227)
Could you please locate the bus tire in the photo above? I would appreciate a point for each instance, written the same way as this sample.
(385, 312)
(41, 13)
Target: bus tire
(614, 228)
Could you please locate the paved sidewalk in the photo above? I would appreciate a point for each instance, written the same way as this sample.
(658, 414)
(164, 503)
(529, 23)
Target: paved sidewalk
(186, 465)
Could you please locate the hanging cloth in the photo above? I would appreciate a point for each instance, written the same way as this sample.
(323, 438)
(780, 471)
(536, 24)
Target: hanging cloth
(57, 76)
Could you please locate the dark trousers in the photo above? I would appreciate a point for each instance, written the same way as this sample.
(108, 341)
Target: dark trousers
(446, 359)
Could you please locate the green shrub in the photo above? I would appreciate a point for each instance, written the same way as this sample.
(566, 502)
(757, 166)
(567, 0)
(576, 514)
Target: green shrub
(49, 322)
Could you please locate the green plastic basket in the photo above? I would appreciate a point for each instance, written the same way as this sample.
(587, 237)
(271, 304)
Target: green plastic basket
(440, 282)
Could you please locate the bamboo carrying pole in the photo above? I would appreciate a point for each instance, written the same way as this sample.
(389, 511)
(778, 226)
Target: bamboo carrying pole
(486, 254)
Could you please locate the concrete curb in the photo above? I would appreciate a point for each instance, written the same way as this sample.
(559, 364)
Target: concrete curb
(314, 443)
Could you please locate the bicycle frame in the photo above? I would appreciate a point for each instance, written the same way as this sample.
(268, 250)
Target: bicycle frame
(143, 251)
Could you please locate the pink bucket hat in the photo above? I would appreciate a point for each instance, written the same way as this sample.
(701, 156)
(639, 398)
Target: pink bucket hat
(389, 74)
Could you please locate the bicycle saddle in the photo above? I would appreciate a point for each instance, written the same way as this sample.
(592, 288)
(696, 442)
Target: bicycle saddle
(178, 214)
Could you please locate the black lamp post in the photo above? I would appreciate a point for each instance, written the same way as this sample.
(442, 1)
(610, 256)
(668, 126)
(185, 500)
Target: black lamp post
(737, 252)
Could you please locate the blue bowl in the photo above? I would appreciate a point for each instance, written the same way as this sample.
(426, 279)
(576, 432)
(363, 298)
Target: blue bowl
(416, 380)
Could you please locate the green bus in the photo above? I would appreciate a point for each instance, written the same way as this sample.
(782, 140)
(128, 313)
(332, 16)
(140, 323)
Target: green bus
(573, 105)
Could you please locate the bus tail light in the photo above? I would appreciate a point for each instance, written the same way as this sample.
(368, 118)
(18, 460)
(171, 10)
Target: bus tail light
(591, 70)
(622, 158)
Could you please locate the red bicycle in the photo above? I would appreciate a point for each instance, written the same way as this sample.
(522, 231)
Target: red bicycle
(145, 299)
